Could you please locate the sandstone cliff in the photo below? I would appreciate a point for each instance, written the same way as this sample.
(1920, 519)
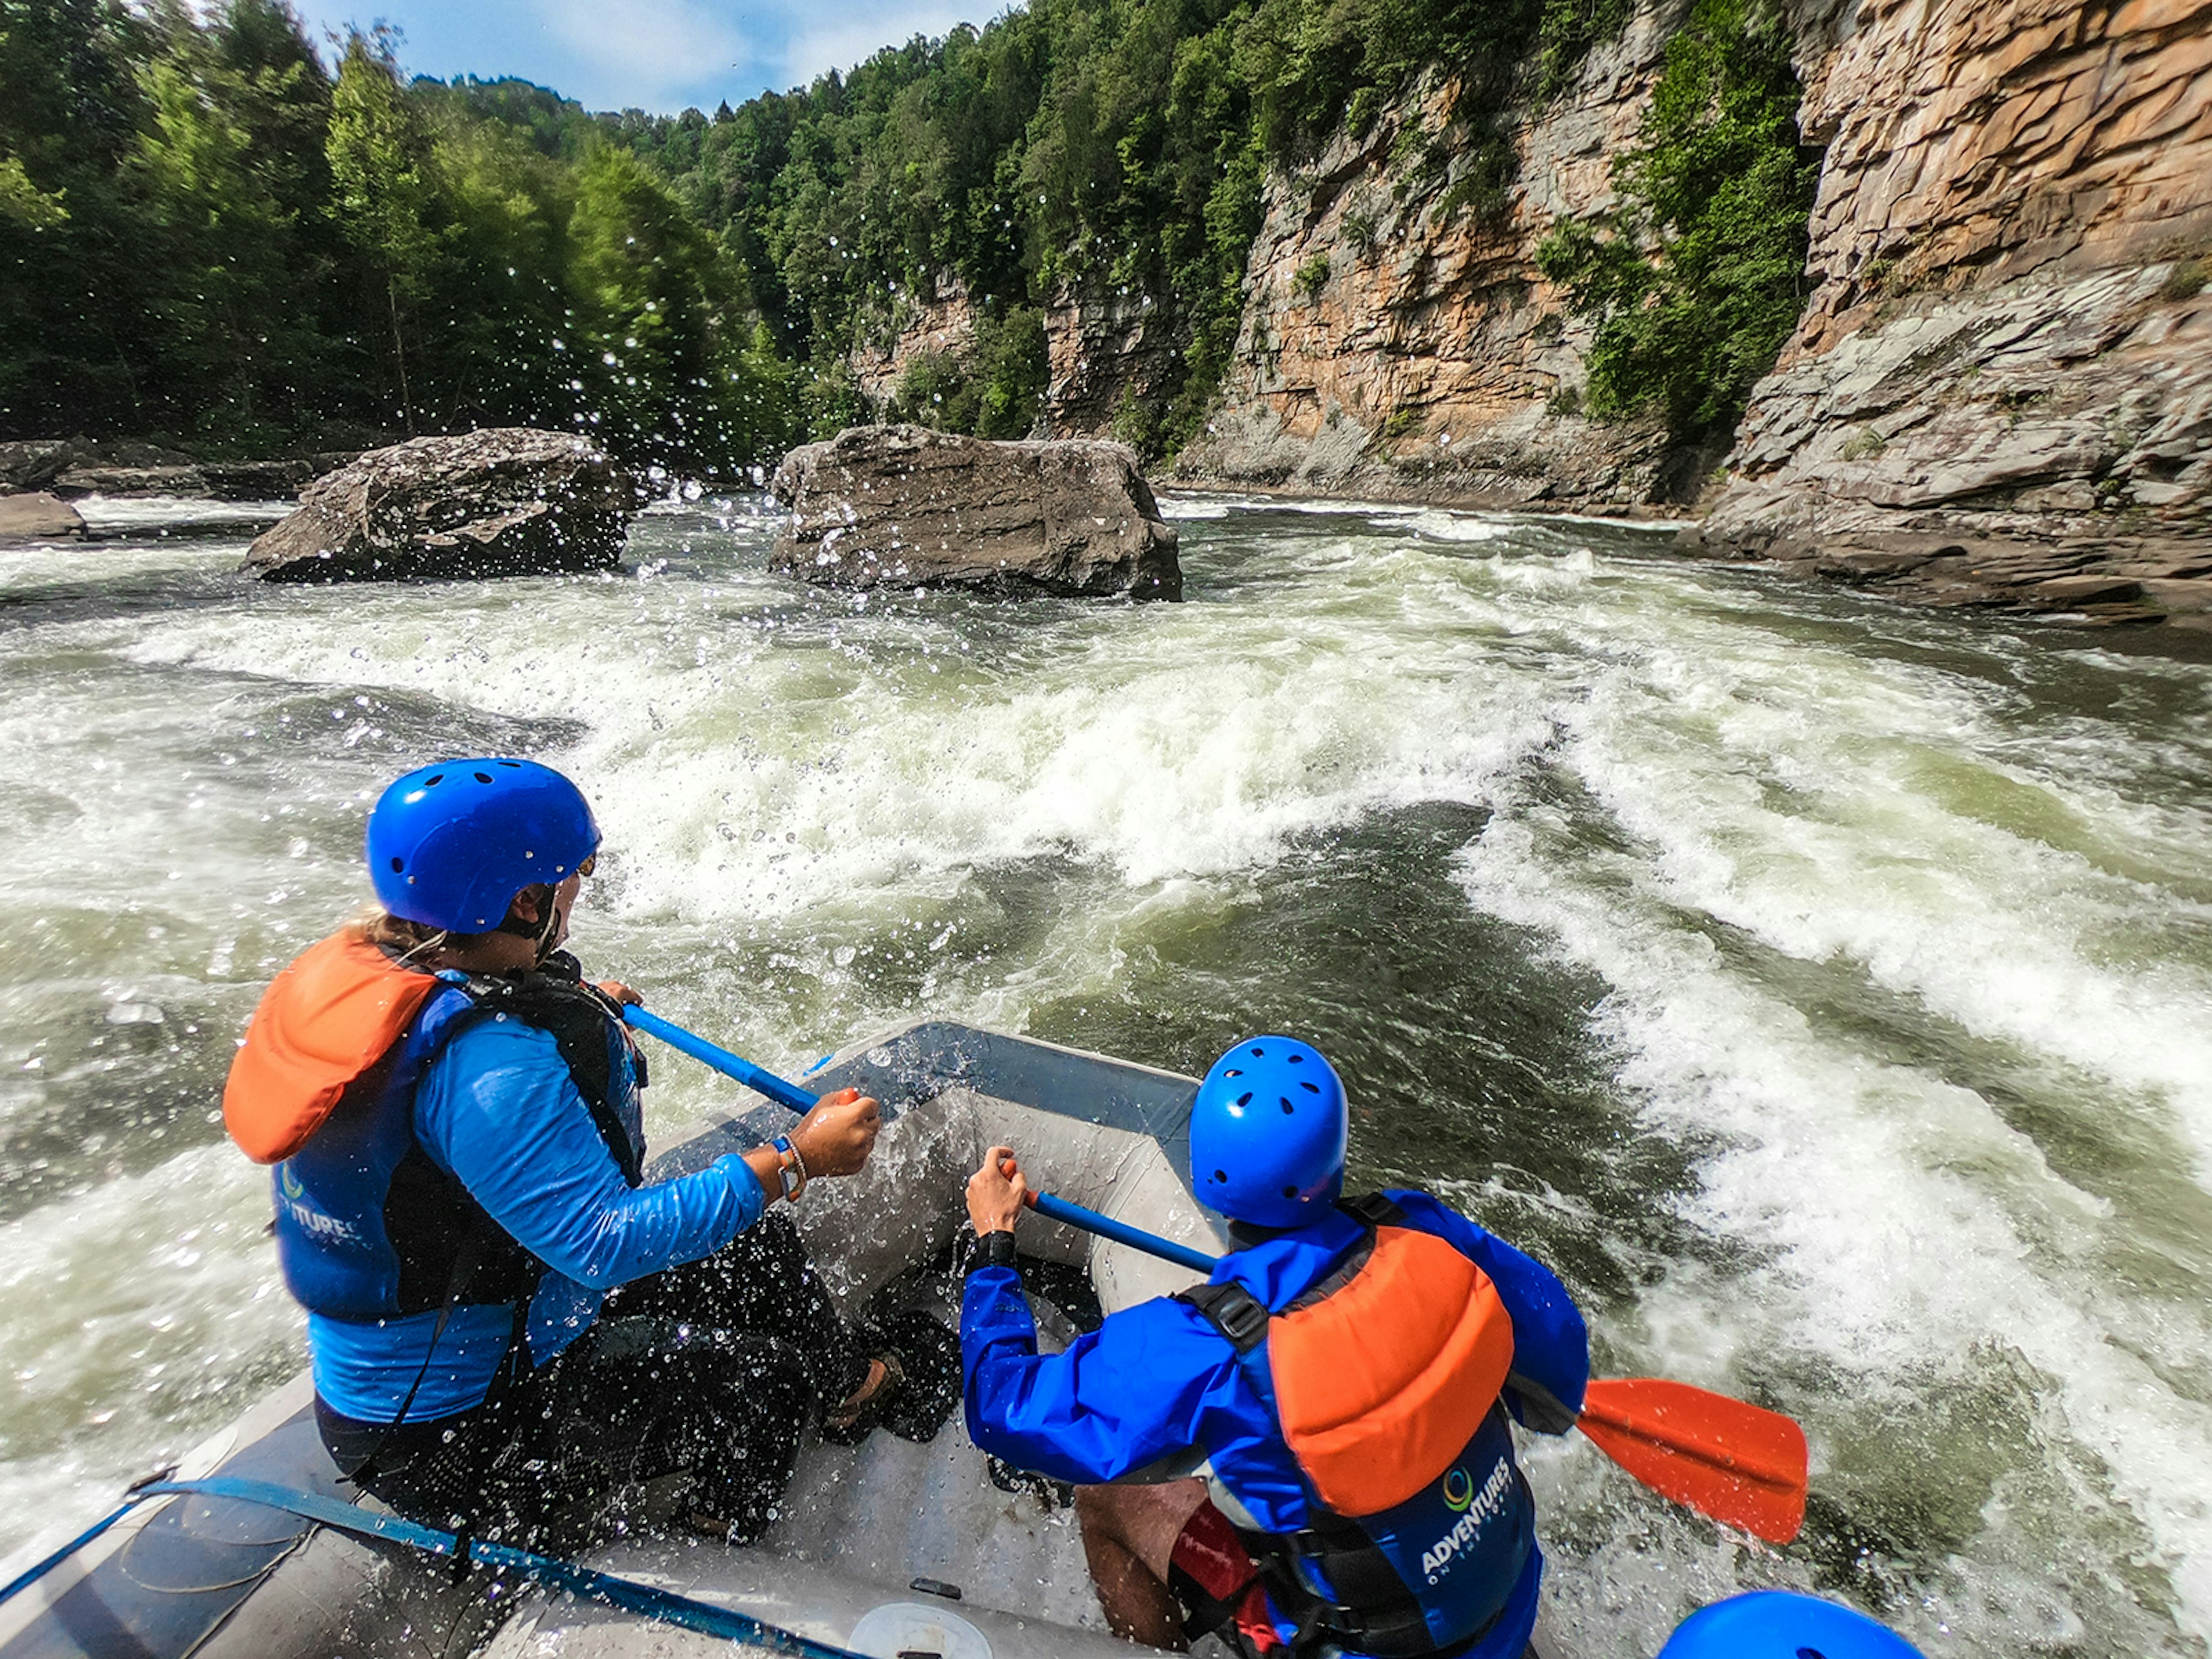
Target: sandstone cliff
(941, 322)
(2001, 388)
(2007, 351)
(1391, 345)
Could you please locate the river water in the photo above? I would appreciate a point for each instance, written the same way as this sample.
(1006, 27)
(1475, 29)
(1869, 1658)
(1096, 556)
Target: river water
(1821, 987)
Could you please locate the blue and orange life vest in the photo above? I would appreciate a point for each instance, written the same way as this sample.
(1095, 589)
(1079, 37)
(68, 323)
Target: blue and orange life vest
(1384, 1378)
(368, 1226)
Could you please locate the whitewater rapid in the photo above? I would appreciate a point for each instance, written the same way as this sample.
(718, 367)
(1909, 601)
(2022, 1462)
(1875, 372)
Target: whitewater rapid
(1822, 987)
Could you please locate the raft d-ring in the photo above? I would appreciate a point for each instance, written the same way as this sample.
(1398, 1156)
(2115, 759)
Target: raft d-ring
(901, 1628)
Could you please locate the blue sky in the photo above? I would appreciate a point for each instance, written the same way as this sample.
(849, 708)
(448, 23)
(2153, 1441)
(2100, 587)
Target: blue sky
(658, 55)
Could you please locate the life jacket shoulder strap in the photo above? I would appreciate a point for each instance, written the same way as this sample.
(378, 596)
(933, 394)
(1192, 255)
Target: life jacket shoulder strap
(582, 1023)
(1373, 1210)
(1239, 1315)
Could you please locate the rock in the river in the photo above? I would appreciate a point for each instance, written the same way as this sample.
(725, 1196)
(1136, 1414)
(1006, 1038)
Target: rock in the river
(38, 517)
(504, 502)
(906, 506)
(32, 466)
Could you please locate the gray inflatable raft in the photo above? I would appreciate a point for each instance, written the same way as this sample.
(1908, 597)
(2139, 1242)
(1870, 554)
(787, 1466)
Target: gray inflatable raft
(889, 1548)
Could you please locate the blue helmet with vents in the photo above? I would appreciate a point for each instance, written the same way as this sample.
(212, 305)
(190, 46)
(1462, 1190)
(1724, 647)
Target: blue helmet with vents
(451, 845)
(1783, 1625)
(1267, 1133)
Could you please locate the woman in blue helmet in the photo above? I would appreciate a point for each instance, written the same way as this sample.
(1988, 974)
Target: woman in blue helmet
(506, 1320)
(1347, 1373)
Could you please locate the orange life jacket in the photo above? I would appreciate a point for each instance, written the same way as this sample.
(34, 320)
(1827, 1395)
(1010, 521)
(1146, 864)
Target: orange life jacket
(1381, 1384)
(323, 1024)
(1383, 1379)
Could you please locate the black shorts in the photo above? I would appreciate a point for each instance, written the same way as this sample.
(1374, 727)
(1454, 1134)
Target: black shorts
(712, 1368)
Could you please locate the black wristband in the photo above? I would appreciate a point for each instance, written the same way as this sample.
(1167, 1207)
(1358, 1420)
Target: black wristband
(994, 1249)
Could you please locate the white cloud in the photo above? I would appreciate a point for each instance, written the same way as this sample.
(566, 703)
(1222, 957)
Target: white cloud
(657, 50)
(853, 33)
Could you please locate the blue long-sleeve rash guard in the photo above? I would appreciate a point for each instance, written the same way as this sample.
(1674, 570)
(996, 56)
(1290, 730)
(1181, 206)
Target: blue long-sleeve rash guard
(1157, 1379)
(498, 1110)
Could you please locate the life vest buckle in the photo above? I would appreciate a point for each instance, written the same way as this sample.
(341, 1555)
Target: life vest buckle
(1231, 1309)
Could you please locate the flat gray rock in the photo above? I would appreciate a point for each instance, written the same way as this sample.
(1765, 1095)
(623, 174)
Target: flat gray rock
(905, 506)
(38, 517)
(503, 501)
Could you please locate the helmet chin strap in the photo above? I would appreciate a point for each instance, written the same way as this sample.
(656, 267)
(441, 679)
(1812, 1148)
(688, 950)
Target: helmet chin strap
(541, 933)
(547, 929)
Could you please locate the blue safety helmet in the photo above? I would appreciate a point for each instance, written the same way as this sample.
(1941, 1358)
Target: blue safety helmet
(451, 845)
(1267, 1133)
(1783, 1625)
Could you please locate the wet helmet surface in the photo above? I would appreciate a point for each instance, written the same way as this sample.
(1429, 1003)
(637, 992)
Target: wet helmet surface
(451, 845)
(1267, 1132)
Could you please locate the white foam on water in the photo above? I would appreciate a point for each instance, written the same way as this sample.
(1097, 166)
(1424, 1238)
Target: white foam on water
(1179, 506)
(106, 515)
(1441, 525)
(1909, 1233)
(758, 770)
(194, 1325)
(27, 565)
(1780, 781)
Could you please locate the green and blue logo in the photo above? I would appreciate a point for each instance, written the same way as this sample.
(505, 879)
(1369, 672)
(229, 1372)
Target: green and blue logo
(1459, 1490)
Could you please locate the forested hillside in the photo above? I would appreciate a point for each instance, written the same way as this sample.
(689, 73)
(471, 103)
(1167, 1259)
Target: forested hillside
(1116, 144)
(206, 234)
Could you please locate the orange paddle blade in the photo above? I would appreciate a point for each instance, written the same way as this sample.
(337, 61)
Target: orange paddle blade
(1733, 1462)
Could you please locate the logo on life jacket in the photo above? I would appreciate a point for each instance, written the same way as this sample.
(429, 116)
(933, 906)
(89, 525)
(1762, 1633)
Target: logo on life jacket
(1480, 1508)
(304, 1213)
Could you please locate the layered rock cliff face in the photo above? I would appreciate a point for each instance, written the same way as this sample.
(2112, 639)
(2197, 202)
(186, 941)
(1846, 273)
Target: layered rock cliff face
(2000, 390)
(1391, 345)
(2008, 346)
(941, 322)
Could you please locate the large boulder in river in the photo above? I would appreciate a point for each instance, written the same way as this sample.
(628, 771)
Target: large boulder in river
(905, 506)
(38, 517)
(503, 501)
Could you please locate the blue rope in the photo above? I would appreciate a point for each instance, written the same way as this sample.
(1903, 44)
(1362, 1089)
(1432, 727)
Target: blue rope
(26, 1579)
(664, 1605)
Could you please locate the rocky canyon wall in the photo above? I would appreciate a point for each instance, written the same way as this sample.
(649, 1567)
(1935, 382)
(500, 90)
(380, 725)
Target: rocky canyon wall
(1393, 346)
(2007, 355)
(2001, 388)
(941, 322)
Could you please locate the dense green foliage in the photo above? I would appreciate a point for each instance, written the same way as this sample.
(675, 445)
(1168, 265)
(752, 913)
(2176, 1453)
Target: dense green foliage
(207, 232)
(1108, 149)
(1696, 280)
(206, 235)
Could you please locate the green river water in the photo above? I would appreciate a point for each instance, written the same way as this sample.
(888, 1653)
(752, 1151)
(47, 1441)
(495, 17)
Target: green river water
(1821, 987)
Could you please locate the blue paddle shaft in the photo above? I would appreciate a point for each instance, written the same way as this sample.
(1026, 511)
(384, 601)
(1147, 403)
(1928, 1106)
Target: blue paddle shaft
(729, 1065)
(1059, 1209)
(791, 1095)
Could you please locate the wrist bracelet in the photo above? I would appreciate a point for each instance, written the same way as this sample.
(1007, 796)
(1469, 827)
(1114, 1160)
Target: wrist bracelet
(790, 1168)
(994, 1249)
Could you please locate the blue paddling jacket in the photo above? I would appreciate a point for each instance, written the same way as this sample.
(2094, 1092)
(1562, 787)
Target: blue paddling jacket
(1349, 1382)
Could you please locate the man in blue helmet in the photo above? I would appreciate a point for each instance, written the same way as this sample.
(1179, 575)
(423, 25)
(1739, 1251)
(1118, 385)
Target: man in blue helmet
(1347, 1372)
(506, 1319)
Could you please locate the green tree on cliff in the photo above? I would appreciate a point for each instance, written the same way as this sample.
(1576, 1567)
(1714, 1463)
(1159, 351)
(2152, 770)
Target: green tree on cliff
(1697, 279)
